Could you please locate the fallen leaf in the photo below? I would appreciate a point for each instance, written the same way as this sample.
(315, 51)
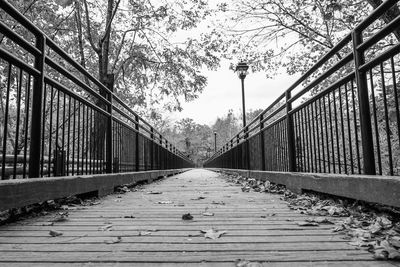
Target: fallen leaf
(381, 254)
(244, 263)
(360, 243)
(154, 192)
(340, 228)
(375, 228)
(142, 233)
(198, 198)
(384, 222)
(194, 235)
(320, 220)
(366, 235)
(208, 214)
(187, 217)
(307, 224)
(61, 217)
(55, 233)
(213, 234)
(106, 227)
(118, 239)
(395, 241)
(165, 202)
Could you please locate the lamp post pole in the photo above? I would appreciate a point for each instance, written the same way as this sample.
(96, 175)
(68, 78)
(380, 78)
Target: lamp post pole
(243, 105)
(215, 141)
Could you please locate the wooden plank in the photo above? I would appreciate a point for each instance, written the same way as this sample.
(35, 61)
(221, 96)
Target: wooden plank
(205, 263)
(247, 232)
(182, 256)
(209, 264)
(169, 238)
(192, 247)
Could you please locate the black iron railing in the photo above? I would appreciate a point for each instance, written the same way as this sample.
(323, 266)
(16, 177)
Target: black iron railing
(341, 116)
(57, 119)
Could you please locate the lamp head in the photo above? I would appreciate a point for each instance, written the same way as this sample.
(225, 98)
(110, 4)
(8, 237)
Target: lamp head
(241, 69)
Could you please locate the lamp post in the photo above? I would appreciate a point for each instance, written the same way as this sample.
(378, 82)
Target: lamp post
(215, 141)
(241, 70)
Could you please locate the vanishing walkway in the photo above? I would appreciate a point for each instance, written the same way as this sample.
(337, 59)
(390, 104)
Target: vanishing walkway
(259, 227)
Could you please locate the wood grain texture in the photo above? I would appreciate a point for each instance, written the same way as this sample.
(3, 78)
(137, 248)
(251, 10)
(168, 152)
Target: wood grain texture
(260, 227)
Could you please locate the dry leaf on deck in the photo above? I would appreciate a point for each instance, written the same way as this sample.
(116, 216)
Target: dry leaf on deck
(213, 234)
(118, 239)
(244, 263)
(141, 233)
(55, 233)
(198, 198)
(154, 192)
(61, 217)
(165, 202)
(320, 220)
(307, 224)
(106, 227)
(187, 217)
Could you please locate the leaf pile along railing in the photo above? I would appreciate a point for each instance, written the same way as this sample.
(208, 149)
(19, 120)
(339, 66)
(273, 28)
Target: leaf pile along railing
(341, 116)
(57, 119)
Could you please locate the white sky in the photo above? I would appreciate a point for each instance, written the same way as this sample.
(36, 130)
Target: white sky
(223, 92)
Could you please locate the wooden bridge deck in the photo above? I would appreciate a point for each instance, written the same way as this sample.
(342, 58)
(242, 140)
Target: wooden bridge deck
(135, 229)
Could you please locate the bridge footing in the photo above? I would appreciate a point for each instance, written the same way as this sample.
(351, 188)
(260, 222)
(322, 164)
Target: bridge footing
(375, 189)
(22, 192)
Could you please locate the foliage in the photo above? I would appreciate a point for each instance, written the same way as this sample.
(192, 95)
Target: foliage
(197, 140)
(290, 34)
(142, 43)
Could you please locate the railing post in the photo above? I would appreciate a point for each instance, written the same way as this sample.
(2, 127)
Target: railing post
(363, 99)
(170, 158)
(262, 145)
(152, 148)
(137, 154)
(109, 134)
(160, 149)
(247, 147)
(290, 134)
(36, 115)
(165, 158)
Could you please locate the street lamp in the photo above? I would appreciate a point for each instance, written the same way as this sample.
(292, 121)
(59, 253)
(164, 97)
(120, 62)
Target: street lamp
(215, 141)
(241, 70)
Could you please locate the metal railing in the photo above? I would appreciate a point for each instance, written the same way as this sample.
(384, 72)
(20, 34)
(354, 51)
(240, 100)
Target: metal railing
(341, 116)
(57, 119)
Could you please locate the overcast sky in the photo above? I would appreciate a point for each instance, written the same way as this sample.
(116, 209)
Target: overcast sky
(223, 92)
